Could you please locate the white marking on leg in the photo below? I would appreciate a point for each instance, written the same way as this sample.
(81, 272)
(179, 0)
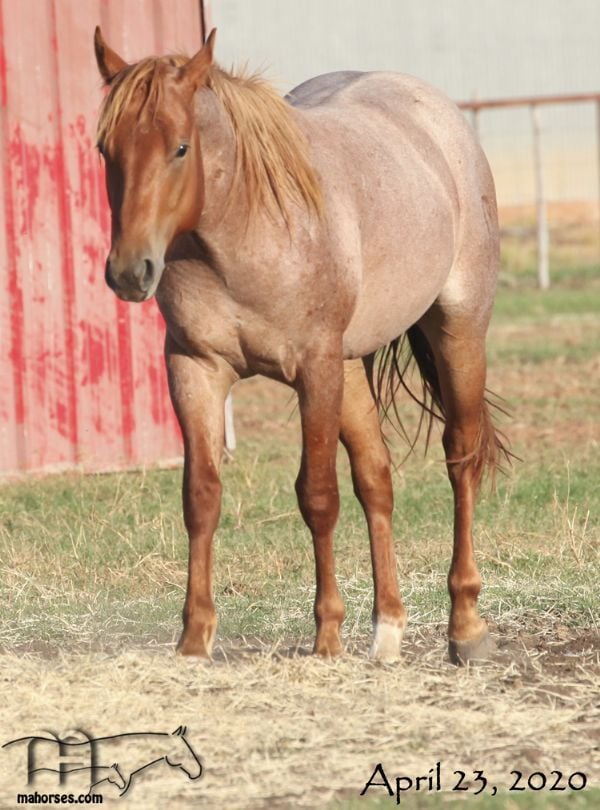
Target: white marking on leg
(387, 638)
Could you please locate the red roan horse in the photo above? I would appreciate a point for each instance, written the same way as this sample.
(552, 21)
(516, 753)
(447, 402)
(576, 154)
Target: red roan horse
(295, 238)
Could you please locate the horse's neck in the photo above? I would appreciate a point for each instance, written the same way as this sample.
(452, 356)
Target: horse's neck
(217, 138)
(226, 226)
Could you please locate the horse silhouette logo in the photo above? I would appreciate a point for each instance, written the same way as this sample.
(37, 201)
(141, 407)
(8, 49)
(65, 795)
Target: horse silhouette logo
(116, 760)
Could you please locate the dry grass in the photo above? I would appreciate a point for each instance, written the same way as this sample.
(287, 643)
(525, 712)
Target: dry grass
(276, 728)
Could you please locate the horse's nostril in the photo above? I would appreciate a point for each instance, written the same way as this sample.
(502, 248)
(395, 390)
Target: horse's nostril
(108, 276)
(131, 281)
(148, 275)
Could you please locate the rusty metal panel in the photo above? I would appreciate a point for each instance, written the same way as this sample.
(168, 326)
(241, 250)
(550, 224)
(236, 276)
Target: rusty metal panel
(82, 374)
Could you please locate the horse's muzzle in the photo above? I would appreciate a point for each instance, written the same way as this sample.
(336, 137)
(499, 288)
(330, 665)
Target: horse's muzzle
(137, 281)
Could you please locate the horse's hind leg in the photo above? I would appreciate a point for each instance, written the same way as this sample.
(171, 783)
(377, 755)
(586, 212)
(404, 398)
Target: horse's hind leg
(458, 346)
(370, 462)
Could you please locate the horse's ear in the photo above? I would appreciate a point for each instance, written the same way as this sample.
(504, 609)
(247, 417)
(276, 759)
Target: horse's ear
(196, 69)
(109, 62)
(178, 732)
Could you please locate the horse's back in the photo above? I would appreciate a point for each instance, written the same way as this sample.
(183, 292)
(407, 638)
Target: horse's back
(323, 88)
(415, 185)
(408, 114)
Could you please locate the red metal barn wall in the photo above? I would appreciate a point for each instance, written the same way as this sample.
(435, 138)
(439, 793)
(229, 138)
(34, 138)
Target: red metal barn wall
(82, 380)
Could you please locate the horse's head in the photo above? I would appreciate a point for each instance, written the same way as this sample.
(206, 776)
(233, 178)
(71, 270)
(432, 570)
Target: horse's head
(183, 755)
(151, 147)
(115, 777)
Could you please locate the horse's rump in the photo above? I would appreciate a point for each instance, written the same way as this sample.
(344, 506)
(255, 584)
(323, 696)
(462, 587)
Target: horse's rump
(404, 179)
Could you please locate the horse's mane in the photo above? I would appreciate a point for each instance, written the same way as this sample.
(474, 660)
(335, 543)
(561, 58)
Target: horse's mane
(271, 159)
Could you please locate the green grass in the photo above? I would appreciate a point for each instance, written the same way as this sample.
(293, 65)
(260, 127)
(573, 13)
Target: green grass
(535, 305)
(264, 576)
(82, 549)
(574, 276)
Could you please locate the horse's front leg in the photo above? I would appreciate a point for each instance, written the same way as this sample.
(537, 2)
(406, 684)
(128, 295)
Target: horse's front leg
(320, 385)
(198, 391)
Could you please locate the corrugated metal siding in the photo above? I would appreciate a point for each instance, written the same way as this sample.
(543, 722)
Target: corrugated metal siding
(82, 380)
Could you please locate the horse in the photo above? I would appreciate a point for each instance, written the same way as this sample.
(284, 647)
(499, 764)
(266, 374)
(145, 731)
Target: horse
(296, 238)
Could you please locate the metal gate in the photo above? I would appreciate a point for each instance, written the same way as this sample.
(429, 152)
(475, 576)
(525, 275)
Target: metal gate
(82, 380)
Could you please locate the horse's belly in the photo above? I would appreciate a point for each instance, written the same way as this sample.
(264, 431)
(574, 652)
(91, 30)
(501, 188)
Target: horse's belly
(383, 317)
(397, 289)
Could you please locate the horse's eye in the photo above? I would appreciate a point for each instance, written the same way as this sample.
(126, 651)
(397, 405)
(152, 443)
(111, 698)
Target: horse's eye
(181, 150)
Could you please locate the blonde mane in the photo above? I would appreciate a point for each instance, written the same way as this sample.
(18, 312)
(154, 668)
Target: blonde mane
(271, 156)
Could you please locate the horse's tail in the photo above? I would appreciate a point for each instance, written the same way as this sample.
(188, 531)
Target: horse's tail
(393, 367)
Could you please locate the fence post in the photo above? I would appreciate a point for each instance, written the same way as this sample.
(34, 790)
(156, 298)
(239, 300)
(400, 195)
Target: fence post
(543, 239)
(476, 122)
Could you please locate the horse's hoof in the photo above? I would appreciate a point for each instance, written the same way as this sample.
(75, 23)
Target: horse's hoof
(328, 651)
(329, 647)
(387, 639)
(476, 649)
(194, 649)
(194, 660)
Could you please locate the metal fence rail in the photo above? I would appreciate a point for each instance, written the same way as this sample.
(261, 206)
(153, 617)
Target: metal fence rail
(534, 103)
